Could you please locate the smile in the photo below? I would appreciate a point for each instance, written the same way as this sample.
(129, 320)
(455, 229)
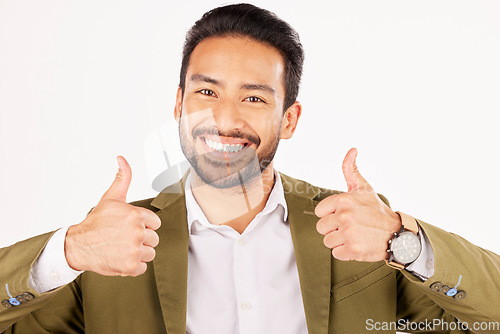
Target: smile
(224, 148)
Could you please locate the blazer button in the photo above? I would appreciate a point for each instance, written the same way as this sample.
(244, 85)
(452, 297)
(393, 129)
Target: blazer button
(20, 299)
(444, 289)
(460, 295)
(6, 304)
(436, 286)
(452, 292)
(14, 302)
(28, 296)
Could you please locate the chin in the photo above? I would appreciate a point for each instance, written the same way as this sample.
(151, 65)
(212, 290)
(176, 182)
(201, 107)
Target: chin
(224, 177)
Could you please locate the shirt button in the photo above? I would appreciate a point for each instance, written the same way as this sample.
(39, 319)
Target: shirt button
(246, 306)
(55, 276)
(242, 241)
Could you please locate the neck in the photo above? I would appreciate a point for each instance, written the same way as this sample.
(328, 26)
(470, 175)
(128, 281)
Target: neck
(236, 206)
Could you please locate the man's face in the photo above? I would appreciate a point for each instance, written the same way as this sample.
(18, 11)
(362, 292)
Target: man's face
(231, 112)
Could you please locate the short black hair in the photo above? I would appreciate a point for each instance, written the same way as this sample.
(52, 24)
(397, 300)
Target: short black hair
(258, 24)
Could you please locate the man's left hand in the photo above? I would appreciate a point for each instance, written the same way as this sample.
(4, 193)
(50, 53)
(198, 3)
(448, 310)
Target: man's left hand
(357, 224)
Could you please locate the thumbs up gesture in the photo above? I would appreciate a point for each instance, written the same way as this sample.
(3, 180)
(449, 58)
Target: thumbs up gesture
(116, 238)
(357, 225)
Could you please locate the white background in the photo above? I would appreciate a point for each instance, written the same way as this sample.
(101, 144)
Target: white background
(414, 85)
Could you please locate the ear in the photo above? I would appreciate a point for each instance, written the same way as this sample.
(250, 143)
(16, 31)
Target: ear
(291, 118)
(178, 104)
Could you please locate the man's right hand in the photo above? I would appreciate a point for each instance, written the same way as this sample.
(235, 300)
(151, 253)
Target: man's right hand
(116, 238)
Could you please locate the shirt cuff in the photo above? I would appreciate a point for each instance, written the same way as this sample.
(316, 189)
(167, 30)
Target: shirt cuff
(51, 270)
(423, 266)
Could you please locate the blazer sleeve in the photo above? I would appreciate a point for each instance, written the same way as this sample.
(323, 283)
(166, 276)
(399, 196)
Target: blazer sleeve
(23, 305)
(455, 259)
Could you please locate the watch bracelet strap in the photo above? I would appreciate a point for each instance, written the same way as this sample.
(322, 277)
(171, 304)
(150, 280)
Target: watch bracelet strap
(408, 223)
(395, 265)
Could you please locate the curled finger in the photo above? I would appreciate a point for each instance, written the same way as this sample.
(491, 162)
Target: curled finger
(147, 254)
(151, 238)
(334, 239)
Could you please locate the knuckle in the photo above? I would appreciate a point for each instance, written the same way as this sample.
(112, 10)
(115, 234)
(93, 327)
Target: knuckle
(141, 269)
(138, 215)
(354, 249)
(130, 267)
(143, 214)
(137, 235)
(349, 232)
(349, 246)
(342, 219)
(341, 216)
(134, 215)
(346, 200)
(342, 199)
(136, 254)
(133, 257)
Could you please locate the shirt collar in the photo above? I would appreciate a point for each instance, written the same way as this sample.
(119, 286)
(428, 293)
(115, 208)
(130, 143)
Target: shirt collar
(194, 212)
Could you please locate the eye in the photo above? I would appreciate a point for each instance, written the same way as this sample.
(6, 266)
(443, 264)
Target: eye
(254, 99)
(206, 92)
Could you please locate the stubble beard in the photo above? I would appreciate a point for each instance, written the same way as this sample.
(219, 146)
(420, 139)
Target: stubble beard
(230, 173)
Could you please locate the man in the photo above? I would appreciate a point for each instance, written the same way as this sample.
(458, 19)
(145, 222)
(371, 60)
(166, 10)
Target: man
(234, 246)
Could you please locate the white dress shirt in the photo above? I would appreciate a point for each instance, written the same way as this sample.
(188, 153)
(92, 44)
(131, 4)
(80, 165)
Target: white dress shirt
(51, 270)
(244, 283)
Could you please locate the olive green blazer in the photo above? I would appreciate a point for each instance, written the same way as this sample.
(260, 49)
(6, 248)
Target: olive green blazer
(339, 297)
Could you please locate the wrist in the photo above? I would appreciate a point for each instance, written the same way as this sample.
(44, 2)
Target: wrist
(71, 249)
(397, 223)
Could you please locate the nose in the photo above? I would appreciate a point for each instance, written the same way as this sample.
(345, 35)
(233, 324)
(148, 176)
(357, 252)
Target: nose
(227, 116)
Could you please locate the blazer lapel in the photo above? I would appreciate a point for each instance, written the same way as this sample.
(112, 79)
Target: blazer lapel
(313, 258)
(171, 261)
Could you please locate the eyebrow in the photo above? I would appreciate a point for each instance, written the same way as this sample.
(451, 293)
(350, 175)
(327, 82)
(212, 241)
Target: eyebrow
(207, 79)
(265, 88)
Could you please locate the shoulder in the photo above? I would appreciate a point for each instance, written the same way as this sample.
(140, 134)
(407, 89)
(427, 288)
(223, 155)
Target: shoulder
(316, 193)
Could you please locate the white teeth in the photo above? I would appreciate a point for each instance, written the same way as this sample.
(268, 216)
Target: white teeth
(228, 148)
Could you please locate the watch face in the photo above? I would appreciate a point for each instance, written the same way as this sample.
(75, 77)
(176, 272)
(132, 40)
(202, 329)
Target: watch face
(406, 247)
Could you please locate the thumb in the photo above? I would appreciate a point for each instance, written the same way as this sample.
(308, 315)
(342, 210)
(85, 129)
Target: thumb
(119, 188)
(352, 176)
